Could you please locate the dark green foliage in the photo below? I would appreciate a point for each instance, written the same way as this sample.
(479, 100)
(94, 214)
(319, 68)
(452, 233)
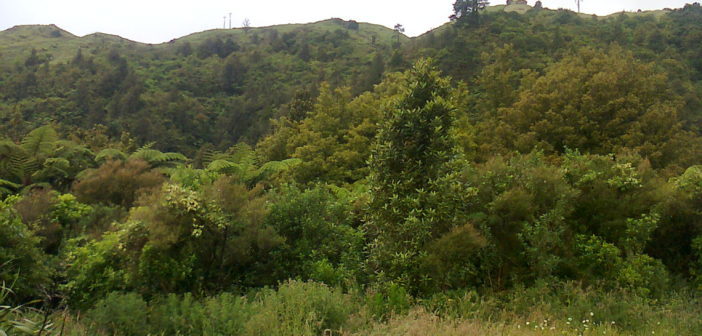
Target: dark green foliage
(468, 11)
(322, 238)
(121, 314)
(51, 216)
(388, 299)
(416, 196)
(23, 266)
(296, 308)
(590, 218)
(218, 87)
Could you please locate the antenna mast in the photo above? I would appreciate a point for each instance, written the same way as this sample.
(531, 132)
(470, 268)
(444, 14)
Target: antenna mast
(230, 20)
(224, 22)
(578, 3)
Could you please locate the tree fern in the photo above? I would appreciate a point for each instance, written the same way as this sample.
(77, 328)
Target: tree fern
(157, 158)
(228, 168)
(43, 157)
(273, 167)
(40, 142)
(52, 167)
(210, 155)
(243, 154)
(72, 151)
(12, 159)
(108, 154)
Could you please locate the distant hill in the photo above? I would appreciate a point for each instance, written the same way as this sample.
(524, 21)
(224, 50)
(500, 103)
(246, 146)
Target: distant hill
(15, 42)
(221, 86)
(232, 80)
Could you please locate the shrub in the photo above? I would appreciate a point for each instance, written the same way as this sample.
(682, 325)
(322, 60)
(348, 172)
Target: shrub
(119, 314)
(299, 308)
(388, 299)
(21, 260)
(94, 270)
(321, 241)
(177, 314)
(644, 275)
(117, 182)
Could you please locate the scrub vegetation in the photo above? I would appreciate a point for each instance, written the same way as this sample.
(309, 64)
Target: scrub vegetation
(517, 171)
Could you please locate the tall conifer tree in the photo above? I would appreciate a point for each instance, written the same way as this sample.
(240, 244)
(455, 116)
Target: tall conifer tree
(416, 193)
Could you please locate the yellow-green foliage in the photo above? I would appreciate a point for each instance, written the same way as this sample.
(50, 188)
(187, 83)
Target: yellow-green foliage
(333, 140)
(598, 102)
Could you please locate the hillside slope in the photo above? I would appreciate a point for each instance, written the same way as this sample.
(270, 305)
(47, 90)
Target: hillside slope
(222, 86)
(218, 86)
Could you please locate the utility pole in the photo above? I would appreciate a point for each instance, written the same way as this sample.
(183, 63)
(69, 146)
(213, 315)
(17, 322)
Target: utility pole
(578, 3)
(230, 20)
(224, 22)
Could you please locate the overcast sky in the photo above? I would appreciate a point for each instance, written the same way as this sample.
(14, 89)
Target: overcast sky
(156, 21)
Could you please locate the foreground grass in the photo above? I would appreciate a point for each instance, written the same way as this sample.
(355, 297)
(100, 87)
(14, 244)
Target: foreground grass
(309, 308)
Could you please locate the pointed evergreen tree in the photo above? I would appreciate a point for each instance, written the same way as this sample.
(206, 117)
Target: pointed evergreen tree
(417, 196)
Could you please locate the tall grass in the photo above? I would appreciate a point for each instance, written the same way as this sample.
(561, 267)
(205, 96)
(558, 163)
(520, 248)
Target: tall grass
(309, 308)
(295, 308)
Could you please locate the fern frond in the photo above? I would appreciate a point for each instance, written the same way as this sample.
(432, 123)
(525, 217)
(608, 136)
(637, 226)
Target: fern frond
(157, 158)
(7, 187)
(12, 159)
(171, 156)
(52, 166)
(242, 153)
(29, 165)
(226, 167)
(210, 155)
(110, 154)
(66, 148)
(40, 142)
(273, 167)
(148, 155)
(149, 145)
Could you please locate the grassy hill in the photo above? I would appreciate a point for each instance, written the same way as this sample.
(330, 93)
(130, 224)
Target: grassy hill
(16, 42)
(232, 79)
(221, 86)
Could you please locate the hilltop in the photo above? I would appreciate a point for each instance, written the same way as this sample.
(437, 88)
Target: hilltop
(224, 85)
(269, 66)
(15, 42)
